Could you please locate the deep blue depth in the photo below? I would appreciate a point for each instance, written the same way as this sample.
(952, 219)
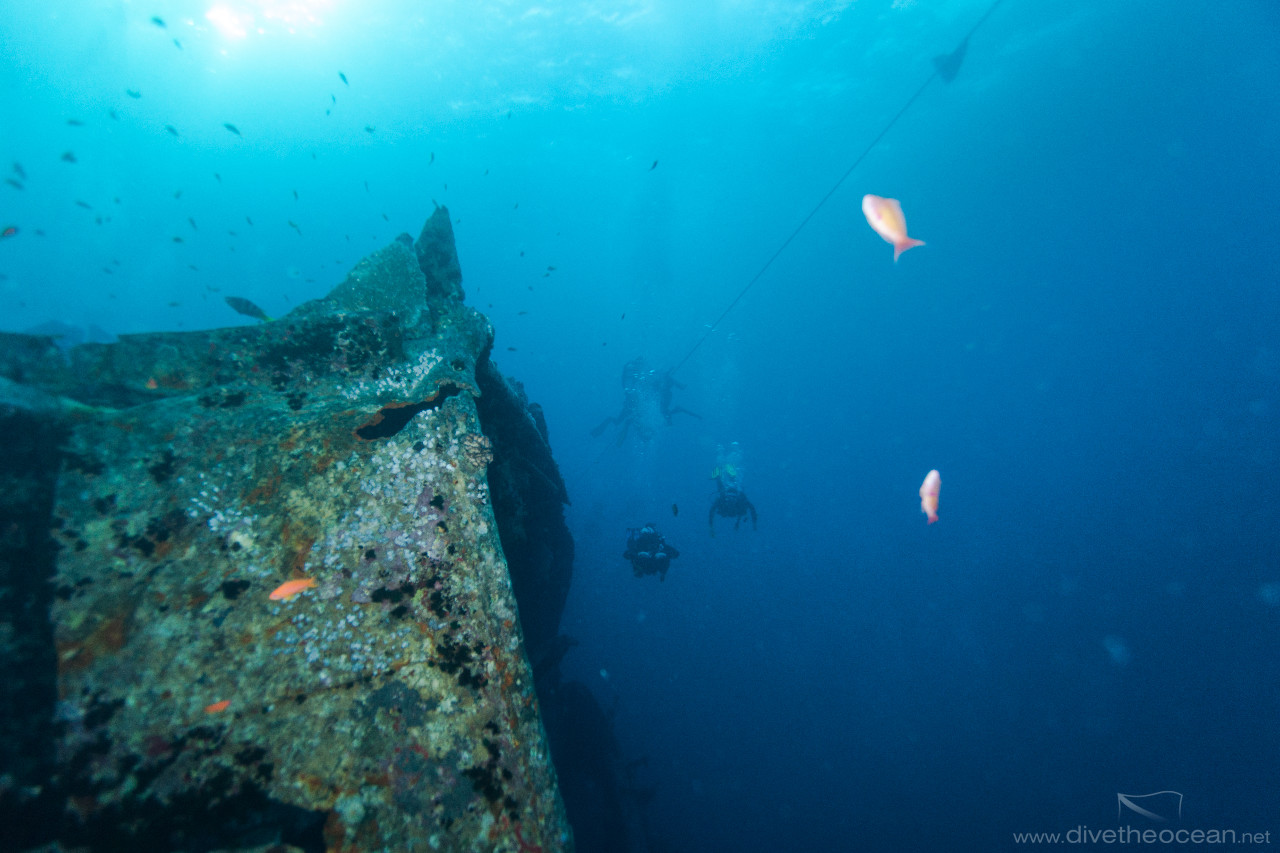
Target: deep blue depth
(1087, 348)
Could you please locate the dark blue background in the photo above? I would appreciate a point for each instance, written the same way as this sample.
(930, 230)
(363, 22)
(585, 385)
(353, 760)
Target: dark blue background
(1087, 349)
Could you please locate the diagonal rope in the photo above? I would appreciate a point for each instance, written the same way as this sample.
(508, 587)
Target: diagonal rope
(813, 212)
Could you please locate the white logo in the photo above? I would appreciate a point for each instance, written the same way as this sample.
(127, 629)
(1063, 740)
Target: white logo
(1158, 806)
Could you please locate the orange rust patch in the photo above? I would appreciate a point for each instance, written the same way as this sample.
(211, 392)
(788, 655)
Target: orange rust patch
(107, 638)
(264, 491)
(176, 381)
(313, 785)
(290, 441)
(298, 561)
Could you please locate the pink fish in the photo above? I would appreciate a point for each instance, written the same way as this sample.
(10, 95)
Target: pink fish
(885, 216)
(929, 490)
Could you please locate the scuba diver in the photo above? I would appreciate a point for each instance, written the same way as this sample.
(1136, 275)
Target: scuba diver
(646, 398)
(648, 552)
(669, 384)
(730, 501)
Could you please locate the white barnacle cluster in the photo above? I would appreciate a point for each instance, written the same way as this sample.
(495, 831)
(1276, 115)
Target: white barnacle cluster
(224, 516)
(336, 642)
(399, 380)
(477, 491)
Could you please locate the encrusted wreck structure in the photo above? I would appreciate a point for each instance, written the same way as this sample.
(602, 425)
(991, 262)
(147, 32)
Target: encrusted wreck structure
(155, 493)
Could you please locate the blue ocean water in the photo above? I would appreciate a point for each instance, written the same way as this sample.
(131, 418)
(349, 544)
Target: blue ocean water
(1086, 348)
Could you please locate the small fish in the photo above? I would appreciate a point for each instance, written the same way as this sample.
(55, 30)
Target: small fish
(884, 215)
(11, 182)
(231, 127)
(19, 171)
(178, 240)
(289, 589)
(158, 21)
(433, 159)
(232, 233)
(152, 384)
(177, 44)
(108, 271)
(133, 93)
(84, 204)
(328, 112)
(75, 122)
(113, 115)
(675, 510)
(175, 304)
(68, 157)
(368, 128)
(511, 349)
(247, 219)
(240, 305)
(516, 206)
(624, 316)
(384, 216)
(173, 130)
(9, 231)
(295, 227)
(343, 78)
(654, 166)
(929, 491)
(177, 193)
(366, 189)
(295, 195)
(521, 313)
(217, 707)
(217, 177)
(333, 97)
(193, 268)
(192, 223)
(508, 113)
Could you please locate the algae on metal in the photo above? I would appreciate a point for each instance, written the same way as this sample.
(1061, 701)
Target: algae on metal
(391, 705)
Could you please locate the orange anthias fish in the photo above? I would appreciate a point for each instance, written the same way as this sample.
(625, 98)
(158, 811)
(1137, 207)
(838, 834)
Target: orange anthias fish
(289, 589)
(929, 490)
(217, 707)
(885, 216)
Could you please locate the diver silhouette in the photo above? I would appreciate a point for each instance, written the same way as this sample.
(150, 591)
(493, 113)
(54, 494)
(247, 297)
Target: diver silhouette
(647, 400)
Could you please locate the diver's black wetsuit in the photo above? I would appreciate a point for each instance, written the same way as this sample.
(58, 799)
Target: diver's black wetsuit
(648, 552)
(731, 503)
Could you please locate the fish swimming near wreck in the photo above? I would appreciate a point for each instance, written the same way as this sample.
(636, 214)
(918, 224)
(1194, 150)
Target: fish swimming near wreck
(885, 216)
(289, 589)
(929, 491)
(240, 305)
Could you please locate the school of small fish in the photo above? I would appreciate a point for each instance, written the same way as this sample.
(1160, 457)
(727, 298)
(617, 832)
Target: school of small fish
(883, 214)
